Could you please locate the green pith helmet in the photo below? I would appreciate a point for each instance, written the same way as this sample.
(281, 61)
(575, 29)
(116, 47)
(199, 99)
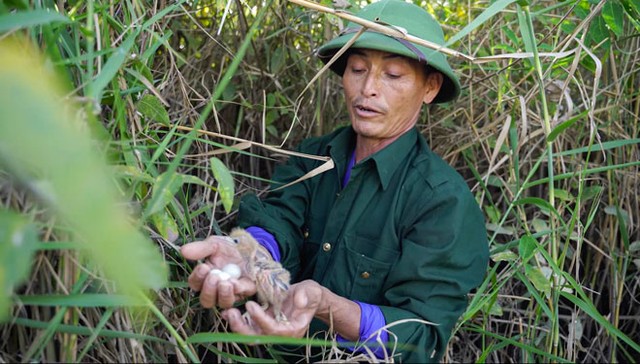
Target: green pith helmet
(405, 17)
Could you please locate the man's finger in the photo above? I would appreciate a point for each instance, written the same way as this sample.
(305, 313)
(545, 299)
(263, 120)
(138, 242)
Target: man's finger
(209, 294)
(261, 319)
(244, 287)
(226, 295)
(197, 277)
(237, 323)
(205, 248)
(198, 249)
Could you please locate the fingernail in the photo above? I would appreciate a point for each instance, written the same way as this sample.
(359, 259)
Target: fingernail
(203, 270)
(253, 307)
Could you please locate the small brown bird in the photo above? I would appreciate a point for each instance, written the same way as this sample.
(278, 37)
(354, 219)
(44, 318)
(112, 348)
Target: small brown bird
(271, 279)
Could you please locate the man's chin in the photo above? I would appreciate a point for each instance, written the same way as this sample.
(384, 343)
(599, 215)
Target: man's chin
(365, 129)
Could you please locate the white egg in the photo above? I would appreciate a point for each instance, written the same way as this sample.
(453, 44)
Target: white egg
(215, 271)
(224, 276)
(233, 270)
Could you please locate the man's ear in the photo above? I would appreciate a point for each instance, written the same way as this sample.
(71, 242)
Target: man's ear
(433, 84)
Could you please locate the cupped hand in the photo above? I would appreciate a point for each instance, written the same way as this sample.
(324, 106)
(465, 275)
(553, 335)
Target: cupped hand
(217, 252)
(299, 307)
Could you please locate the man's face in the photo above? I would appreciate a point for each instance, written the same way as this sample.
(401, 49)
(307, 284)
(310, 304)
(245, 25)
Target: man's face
(385, 92)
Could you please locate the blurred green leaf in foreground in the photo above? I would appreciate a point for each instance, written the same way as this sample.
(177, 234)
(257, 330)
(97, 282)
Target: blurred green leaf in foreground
(46, 148)
(18, 241)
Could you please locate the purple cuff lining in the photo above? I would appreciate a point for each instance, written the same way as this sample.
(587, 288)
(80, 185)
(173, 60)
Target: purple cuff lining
(265, 239)
(371, 320)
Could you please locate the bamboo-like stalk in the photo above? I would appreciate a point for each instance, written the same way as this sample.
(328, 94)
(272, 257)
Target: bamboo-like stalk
(182, 344)
(546, 122)
(90, 43)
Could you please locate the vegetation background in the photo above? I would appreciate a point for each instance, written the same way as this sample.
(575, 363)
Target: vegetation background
(128, 128)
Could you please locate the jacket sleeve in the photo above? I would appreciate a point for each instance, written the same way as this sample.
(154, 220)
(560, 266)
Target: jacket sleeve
(444, 256)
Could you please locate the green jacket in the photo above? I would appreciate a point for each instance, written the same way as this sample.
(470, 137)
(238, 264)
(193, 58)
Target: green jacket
(405, 234)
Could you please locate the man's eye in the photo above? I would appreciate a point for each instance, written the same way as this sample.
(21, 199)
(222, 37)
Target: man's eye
(357, 70)
(393, 76)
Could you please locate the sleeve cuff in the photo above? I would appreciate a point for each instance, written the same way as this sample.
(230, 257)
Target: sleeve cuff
(371, 321)
(266, 239)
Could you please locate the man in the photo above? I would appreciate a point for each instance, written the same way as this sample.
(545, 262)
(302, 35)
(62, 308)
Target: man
(390, 236)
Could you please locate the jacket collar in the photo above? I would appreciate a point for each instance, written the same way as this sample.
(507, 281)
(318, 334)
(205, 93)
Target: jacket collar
(386, 161)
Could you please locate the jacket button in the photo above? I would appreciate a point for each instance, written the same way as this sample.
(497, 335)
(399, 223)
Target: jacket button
(306, 234)
(326, 247)
(365, 275)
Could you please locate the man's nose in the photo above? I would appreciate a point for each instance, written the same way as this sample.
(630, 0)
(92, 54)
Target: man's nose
(371, 85)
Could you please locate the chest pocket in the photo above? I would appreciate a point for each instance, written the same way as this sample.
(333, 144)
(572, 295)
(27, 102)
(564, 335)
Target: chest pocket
(369, 261)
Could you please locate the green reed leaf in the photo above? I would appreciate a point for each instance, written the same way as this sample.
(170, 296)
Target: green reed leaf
(165, 225)
(539, 280)
(45, 145)
(504, 256)
(111, 67)
(565, 125)
(223, 337)
(226, 186)
(81, 300)
(527, 247)
(18, 243)
(81, 330)
(588, 307)
(164, 189)
(151, 108)
(488, 13)
(25, 19)
(613, 15)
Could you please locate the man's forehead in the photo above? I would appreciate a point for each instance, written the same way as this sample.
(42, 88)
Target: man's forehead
(365, 52)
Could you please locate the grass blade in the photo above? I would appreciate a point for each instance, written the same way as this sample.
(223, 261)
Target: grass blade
(487, 14)
(26, 19)
(40, 143)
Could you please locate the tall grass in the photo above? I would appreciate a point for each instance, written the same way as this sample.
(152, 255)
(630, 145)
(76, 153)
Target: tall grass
(548, 142)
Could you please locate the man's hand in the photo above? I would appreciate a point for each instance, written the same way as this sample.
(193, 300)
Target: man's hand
(217, 252)
(299, 307)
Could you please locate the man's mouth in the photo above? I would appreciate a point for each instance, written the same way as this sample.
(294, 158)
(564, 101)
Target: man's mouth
(366, 109)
